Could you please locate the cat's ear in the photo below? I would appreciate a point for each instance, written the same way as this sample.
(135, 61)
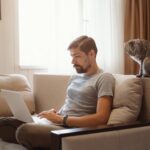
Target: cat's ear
(127, 45)
(132, 44)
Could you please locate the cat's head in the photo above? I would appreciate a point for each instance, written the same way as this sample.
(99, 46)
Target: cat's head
(137, 48)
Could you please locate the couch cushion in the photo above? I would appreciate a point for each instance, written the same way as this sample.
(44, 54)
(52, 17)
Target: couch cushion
(16, 82)
(127, 99)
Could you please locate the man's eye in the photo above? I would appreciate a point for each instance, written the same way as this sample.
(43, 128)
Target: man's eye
(77, 56)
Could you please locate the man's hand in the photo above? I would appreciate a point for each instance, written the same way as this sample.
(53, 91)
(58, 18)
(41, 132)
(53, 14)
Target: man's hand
(52, 116)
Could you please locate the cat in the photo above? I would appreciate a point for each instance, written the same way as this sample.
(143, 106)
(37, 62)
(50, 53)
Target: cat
(139, 51)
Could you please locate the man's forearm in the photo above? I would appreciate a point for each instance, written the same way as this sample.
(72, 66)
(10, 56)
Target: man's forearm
(86, 121)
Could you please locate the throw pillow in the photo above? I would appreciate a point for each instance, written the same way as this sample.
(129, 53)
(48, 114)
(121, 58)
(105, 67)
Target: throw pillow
(16, 82)
(127, 99)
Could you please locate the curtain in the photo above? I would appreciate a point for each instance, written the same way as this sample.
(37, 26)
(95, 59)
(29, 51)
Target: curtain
(44, 35)
(104, 21)
(137, 25)
(45, 30)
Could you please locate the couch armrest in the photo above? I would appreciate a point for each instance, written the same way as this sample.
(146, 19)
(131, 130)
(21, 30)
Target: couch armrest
(57, 135)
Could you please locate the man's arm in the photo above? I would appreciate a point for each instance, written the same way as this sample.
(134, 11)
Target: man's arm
(101, 116)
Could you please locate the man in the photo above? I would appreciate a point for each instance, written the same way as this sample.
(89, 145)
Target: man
(88, 100)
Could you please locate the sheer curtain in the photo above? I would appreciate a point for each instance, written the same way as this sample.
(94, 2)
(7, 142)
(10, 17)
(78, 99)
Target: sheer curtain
(46, 27)
(104, 20)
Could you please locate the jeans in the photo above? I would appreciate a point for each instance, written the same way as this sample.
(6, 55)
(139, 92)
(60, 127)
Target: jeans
(31, 135)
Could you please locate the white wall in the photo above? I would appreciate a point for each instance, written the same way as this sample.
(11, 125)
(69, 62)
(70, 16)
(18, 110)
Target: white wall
(9, 54)
(6, 37)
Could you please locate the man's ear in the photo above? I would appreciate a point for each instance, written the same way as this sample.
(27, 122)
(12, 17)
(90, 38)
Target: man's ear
(92, 53)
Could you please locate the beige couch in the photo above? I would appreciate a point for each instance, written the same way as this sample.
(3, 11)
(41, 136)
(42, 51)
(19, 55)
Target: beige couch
(128, 125)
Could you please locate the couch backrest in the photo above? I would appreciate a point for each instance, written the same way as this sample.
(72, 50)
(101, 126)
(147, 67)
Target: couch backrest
(145, 110)
(49, 91)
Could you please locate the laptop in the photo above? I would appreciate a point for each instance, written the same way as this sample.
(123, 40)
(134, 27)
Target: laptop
(19, 109)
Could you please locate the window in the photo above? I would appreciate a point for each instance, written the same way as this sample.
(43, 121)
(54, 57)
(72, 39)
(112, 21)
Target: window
(46, 27)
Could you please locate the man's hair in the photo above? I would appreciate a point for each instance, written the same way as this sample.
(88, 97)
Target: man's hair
(84, 43)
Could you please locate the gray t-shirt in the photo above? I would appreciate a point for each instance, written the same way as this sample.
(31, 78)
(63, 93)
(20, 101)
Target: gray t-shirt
(84, 91)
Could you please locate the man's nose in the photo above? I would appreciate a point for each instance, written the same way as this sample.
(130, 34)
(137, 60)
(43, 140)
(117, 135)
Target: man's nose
(73, 61)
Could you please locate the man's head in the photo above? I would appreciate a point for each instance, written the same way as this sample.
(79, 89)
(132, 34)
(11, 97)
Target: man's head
(83, 51)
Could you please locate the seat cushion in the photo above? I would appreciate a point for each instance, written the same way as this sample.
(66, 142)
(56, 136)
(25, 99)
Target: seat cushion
(127, 99)
(16, 82)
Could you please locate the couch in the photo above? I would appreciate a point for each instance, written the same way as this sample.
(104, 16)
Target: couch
(128, 126)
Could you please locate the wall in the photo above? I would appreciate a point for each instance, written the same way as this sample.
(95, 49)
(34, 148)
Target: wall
(9, 54)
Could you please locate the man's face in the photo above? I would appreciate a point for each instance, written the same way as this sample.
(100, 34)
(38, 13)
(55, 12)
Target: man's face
(80, 60)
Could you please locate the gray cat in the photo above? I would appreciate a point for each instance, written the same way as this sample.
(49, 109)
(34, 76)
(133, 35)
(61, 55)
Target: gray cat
(139, 50)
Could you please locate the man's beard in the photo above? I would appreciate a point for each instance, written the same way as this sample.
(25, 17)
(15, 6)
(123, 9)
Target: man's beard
(80, 69)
